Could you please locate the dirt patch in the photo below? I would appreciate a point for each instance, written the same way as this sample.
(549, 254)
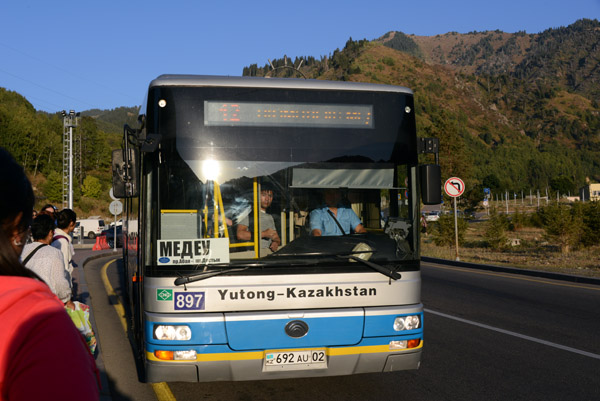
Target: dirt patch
(527, 250)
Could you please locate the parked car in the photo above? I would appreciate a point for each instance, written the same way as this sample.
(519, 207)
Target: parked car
(432, 216)
(91, 227)
(109, 233)
(119, 223)
(461, 214)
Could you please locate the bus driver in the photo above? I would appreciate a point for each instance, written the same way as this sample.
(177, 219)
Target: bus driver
(334, 218)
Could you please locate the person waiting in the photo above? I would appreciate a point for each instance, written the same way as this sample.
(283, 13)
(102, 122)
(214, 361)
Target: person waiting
(46, 261)
(65, 222)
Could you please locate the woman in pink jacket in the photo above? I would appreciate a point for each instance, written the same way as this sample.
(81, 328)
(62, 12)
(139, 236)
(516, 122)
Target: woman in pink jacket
(42, 355)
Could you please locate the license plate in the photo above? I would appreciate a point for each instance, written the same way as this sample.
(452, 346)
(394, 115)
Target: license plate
(295, 360)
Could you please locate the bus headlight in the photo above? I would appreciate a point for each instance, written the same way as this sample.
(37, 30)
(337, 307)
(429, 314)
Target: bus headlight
(410, 322)
(170, 333)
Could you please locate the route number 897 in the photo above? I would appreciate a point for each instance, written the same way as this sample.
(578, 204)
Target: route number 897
(189, 301)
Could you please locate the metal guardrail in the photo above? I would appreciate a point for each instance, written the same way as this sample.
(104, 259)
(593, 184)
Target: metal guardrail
(514, 270)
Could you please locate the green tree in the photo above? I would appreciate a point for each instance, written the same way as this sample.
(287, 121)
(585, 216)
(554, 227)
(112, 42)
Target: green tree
(92, 146)
(453, 156)
(495, 232)
(53, 187)
(404, 43)
(562, 226)
(562, 184)
(492, 182)
(590, 216)
(91, 187)
(443, 230)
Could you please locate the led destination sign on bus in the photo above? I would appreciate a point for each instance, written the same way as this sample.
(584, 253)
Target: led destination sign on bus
(288, 114)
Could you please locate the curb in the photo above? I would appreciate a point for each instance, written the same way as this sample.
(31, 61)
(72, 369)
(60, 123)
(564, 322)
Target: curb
(514, 270)
(105, 394)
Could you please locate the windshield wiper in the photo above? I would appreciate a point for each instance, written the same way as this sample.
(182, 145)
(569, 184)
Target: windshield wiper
(207, 274)
(389, 273)
(350, 255)
(357, 255)
(192, 277)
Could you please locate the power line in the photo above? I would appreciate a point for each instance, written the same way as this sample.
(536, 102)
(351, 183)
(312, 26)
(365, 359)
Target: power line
(43, 101)
(46, 88)
(46, 63)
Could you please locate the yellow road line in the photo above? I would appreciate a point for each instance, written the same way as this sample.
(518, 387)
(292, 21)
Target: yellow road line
(111, 294)
(512, 276)
(162, 390)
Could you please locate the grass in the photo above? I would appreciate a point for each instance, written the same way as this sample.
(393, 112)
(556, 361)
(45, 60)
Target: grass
(529, 250)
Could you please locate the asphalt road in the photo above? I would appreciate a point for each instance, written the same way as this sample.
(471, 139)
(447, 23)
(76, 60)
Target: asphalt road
(488, 335)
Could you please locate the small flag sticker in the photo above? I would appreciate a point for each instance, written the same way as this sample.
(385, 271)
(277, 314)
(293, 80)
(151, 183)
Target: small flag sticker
(164, 295)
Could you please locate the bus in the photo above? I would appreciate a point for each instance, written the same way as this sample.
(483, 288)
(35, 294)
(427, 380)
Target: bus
(235, 268)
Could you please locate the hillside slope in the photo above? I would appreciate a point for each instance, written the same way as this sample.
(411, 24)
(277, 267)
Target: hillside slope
(514, 112)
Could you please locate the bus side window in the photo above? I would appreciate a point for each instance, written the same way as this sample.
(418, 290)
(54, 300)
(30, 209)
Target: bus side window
(179, 224)
(300, 219)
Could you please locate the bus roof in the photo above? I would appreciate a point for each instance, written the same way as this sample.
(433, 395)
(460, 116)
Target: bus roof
(285, 83)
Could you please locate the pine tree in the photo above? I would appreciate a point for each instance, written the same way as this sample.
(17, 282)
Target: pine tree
(563, 227)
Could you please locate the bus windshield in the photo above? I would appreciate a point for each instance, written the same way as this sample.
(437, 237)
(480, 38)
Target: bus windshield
(244, 174)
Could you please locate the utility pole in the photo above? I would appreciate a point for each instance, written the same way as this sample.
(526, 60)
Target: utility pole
(77, 159)
(69, 122)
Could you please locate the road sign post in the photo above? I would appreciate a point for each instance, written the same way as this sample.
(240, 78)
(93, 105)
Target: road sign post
(454, 187)
(116, 208)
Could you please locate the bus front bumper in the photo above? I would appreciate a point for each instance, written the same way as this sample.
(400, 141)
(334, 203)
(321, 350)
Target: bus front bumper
(251, 365)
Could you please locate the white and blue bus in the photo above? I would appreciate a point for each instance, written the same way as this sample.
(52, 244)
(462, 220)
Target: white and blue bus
(223, 183)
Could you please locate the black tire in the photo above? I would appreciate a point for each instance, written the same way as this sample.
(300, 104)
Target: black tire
(91, 235)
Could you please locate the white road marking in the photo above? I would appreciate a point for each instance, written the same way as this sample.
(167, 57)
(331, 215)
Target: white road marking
(512, 333)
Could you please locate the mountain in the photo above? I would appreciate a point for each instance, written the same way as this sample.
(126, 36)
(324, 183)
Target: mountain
(565, 56)
(514, 111)
(114, 119)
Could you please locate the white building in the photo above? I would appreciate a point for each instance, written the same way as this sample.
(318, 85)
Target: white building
(590, 192)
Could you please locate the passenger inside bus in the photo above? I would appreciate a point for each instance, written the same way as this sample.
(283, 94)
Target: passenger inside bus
(269, 240)
(334, 217)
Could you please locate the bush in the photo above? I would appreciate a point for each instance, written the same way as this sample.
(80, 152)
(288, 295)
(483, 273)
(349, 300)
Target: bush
(91, 187)
(388, 61)
(590, 216)
(536, 220)
(495, 233)
(354, 70)
(86, 205)
(520, 220)
(53, 187)
(563, 226)
(443, 232)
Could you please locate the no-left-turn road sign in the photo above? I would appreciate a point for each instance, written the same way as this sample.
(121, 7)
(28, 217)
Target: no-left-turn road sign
(116, 207)
(454, 187)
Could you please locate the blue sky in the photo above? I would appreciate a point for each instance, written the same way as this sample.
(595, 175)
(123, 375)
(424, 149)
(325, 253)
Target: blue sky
(82, 54)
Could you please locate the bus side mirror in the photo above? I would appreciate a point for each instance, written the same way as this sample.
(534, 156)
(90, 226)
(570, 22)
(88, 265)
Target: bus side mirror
(431, 184)
(124, 172)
